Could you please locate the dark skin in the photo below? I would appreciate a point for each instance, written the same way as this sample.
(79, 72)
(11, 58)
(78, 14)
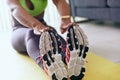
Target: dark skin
(23, 17)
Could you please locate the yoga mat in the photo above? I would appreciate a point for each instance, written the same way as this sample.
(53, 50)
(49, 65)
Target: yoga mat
(15, 66)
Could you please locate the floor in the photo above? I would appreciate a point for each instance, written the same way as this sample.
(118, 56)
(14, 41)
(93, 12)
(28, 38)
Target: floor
(103, 39)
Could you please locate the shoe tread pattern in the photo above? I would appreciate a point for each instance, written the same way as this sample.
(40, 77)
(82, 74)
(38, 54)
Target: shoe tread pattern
(50, 46)
(78, 46)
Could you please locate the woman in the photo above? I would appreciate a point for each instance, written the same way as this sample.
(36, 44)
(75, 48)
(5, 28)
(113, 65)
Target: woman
(42, 43)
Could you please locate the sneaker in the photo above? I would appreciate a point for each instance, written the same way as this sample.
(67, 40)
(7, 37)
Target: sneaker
(77, 45)
(50, 48)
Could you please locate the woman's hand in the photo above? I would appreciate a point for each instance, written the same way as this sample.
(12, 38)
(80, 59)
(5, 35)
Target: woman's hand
(38, 30)
(64, 26)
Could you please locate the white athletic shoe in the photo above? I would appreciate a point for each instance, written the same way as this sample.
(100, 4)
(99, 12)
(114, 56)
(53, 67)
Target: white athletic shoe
(78, 48)
(50, 48)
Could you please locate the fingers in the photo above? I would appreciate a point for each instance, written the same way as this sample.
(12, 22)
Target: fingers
(63, 30)
(72, 24)
(40, 31)
(64, 27)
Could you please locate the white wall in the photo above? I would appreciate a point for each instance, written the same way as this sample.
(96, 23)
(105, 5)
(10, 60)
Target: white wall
(4, 16)
(52, 16)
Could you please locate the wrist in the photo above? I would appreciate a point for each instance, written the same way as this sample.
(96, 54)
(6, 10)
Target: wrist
(66, 21)
(66, 17)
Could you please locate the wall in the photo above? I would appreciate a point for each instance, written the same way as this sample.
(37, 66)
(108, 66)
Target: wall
(52, 16)
(4, 16)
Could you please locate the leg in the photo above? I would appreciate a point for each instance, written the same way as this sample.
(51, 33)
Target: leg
(30, 42)
(51, 50)
(24, 40)
(18, 40)
(78, 46)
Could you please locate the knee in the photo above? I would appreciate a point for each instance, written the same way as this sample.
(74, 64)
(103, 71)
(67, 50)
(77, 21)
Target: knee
(30, 35)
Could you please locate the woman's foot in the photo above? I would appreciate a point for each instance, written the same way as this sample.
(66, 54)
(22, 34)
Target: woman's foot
(77, 51)
(50, 48)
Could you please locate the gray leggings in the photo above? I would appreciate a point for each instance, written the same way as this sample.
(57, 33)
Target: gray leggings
(25, 41)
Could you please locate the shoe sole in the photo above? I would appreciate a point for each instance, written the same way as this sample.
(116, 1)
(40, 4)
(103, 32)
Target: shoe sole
(78, 46)
(50, 46)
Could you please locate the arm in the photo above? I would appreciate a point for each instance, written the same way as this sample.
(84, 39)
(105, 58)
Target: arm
(22, 16)
(63, 8)
(64, 11)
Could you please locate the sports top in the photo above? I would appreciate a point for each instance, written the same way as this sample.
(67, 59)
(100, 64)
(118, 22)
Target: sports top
(39, 6)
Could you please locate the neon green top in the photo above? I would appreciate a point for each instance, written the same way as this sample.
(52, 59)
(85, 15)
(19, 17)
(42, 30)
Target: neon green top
(39, 6)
